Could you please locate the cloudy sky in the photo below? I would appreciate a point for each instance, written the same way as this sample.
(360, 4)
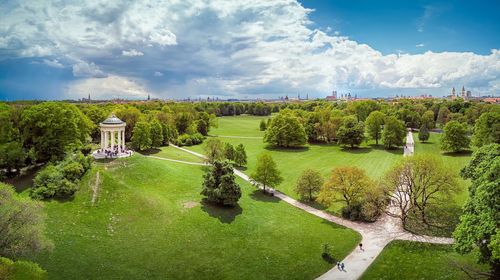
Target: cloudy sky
(246, 48)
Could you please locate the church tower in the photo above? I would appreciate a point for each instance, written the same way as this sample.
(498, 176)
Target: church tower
(463, 92)
(453, 95)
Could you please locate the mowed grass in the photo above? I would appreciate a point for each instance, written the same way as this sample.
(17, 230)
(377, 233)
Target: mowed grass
(174, 153)
(447, 213)
(243, 125)
(414, 260)
(149, 222)
(292, 162)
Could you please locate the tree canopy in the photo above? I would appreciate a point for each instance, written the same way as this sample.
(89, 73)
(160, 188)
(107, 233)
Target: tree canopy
(454, 138)
(286, 131)
(219, 184)
(374, 124)
(141, 138)
(266, 172)
(309, 184)
(351, 132)
(487, 129)
(394, 132)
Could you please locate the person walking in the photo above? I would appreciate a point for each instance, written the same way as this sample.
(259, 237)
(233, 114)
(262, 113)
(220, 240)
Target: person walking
(338, 265)
(361, 246)
(342, 266)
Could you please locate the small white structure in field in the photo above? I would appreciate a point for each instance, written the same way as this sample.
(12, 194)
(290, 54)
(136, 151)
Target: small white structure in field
(112, 139)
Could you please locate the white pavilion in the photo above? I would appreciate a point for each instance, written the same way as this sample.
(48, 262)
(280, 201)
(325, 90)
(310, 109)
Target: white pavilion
(112, 139)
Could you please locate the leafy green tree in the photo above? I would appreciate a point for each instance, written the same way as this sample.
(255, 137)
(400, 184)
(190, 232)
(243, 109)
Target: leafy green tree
(309, 184)
(229, 151)
(263, 125)
(442, 117)
(7, 126)
(455, 137)
(214, 150)
(12, 157)
(487, 129)
(374, 124)
(96, 115)
(394, 132)
(351, 132)
(169, 133)
(428, 119)
(423, 133)
(266, 172)
(204, 122)
(219, 184)
(156, 134)
(409, 117)
(141, 138)
(240, 156)
(131, 116)
(22, 225)
(479, 223)
(53, 128)
(19, 270)
(285, 130)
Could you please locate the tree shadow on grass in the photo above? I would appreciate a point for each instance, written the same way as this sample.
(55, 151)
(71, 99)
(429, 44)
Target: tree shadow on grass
(393, 150)
(148, 152)
(105, 160)
(287, 150)
(260, 195)
(241, 168)
(358, 150)
(466, 153)
(442, 221)
(225, 214)
(313, 204)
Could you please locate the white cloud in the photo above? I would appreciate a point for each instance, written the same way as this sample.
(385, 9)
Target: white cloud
(420, 45)
(226, 47)
(132, 52)
(158, 74)
(53, 63)
(110, 87)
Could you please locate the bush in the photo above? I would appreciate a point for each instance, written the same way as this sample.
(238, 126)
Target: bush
(10, 270)
(190, 139)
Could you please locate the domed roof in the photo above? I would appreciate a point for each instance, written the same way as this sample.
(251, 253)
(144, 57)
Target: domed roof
(113, 120)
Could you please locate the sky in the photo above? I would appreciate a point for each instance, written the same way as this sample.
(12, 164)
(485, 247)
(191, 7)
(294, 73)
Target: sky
(246, 49)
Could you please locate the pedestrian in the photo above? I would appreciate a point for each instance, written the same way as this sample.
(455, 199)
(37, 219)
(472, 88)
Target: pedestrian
(342, 266)
(338, 265)
(361, 246)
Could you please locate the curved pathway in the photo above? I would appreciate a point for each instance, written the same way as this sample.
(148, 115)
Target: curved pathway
(238, 137)
(375, 236)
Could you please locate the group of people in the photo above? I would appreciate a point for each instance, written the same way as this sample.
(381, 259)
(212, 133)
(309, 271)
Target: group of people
(111, 153)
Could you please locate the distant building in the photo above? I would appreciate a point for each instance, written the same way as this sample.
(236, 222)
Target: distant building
(333, 96)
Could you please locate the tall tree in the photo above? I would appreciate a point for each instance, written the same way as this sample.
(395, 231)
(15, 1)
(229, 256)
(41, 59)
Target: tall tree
(423, 133)
(394, 132)
(442, 117)
(309, 184)
(351, 132)
(156, 134)
(428, 119)
(219, 184)
(487, 129)
(214, 150)
(131, 116)
(374, 124)
(262, 125)
(455, 137)
(22, 225)
(53, 128)
(479, 224)
(141, 138)
(266, 172)
(346, 184)
(285, 130)
(229, 151)
(240, 156)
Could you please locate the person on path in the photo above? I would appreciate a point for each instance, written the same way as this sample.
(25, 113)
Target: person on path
(342, 266)
(361, 246)
(338, 265)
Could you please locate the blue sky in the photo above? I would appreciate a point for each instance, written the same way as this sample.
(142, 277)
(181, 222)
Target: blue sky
(246, 49)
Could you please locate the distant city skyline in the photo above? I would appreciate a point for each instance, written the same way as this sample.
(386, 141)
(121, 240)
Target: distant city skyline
(247, 49)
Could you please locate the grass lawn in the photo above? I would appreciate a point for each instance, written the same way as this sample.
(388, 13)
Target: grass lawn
(149, 222)
(243, 125)
(414, 260)
(449, 213)
(291, 162)
(173, 153)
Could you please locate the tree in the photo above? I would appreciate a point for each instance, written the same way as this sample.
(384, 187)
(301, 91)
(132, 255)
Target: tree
(214, 150)
(263, 125)
(53, 128)
(141, 138)
(131, 116)
(286, 131)
(423, 133)
(394, 132)
(487, 129)
(156, 134)
(442, 117)
(22, 225)
(219, 184)
(478, 227)
(309, 184)
(374, 124)
(455, 137)
(266, 172)
(347, 184)
(351, 132)
(10, 270)
(204, 122)
(240, 156)
(419, 182)
(229, 151)
(12, 157)
(428, 119)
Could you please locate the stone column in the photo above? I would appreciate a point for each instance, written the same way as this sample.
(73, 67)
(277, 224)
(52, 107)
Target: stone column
(119, 141)
(102, 139)
(112, 140)
(106, 138)
(123, 138)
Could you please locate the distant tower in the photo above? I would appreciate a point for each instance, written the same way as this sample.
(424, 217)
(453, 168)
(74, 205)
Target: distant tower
(298, 96)
(453, 95)
(463, 92)
(149, 97)
(89, 98)
(307, 96)
(349, 96)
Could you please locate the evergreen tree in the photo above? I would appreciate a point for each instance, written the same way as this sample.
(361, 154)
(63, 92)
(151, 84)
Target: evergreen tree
(219, 184)
(156, 134)
(240, 156)
(423, 133)
(229, 151)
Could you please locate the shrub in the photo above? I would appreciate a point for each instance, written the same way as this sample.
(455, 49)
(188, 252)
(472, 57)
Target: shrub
(10, 270)
(190, 139)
